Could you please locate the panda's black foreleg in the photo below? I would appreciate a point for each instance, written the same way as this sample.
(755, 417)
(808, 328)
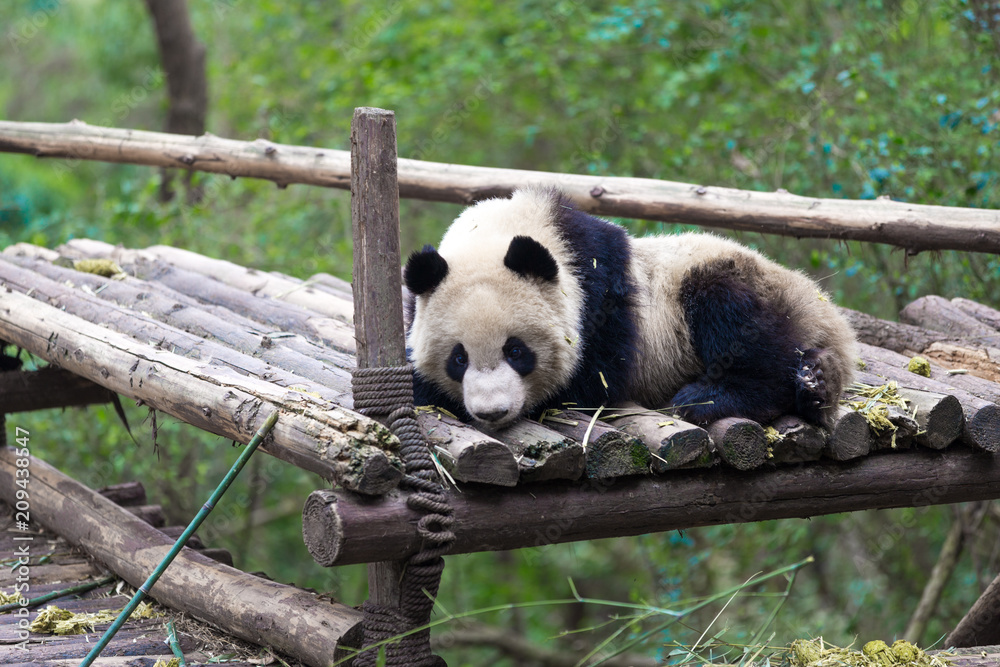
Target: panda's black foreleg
(815, 384)
(745, 346)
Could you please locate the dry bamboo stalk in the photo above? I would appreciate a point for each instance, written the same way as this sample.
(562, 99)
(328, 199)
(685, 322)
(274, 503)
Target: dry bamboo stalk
(315, 435)
(883, 221)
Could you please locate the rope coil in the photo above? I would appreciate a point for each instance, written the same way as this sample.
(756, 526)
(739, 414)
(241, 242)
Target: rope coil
(389, 391)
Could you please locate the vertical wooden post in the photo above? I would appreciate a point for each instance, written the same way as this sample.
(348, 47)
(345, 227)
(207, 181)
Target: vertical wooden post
(378, 308)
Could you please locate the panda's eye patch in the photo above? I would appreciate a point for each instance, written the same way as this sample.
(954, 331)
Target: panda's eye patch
(520, 357)
(458, 361)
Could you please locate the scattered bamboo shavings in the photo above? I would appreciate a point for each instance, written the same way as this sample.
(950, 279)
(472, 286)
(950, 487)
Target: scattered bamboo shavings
(603, 381)
(11, 598)
(958, 371)
(552, 415)
(822, 297)
(442, 471)
(55, 621)
(303, 390)
(814, 653)
(173, 662)
(771, 434)
(669, 422)
(595, 262)
(875, 407)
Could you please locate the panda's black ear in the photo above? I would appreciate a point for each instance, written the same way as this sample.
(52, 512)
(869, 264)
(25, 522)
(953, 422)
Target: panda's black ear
(529, 258)
(425, 269)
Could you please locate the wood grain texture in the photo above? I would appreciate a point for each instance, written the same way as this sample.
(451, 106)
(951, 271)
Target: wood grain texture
(911, 226)
(562, 511)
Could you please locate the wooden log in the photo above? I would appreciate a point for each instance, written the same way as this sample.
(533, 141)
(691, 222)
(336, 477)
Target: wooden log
(882, 221)
(223, 341)
(126, 494)
(378, 312)
(931, 419)
(850, 438)
(988, 316)
(291, 620)
(981, 624)
(285, 317)
(495, 519)
(800, 441)
(21, 391)
(982, 418)
(672, 442)
(896, 336)
(257, 283)
(940, 314)
(151, 514)
(740, 442)
(173, 532)
(468, 455)
(313, 434)
(543, 453)
(977, 386)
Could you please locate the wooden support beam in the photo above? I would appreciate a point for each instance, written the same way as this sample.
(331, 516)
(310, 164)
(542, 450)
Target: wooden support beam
(313, 434)
(378, 310)
(21, 391)
(882, 221)
(536, 515)
(291, 620)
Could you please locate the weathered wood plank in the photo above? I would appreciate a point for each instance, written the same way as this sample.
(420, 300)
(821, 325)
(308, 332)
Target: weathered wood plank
(569, 511)
(882, 221)
(313, 434)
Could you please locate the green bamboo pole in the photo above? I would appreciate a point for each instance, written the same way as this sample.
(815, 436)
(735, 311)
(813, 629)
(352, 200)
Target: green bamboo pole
(175, 646)
(73, 590)
(205, 510)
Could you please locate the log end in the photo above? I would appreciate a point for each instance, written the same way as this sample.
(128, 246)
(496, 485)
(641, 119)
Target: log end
(740, 442)
(547, 461)
(489, 462)
(800, 441)
(682, 448)
(322, 529)
(615, 454)
(371, 474)
(983, 430)
(850, 438)
(942, 425)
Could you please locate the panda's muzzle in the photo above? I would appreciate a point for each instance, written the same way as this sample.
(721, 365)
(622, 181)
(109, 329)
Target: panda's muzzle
(494, 396)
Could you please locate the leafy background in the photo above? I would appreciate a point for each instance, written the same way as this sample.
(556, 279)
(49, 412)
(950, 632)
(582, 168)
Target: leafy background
(828, 99)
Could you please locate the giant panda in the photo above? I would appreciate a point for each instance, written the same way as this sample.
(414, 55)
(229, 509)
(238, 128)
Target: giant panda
(529, 303)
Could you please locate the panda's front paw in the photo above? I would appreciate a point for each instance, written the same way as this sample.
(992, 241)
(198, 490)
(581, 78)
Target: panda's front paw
(811, 392)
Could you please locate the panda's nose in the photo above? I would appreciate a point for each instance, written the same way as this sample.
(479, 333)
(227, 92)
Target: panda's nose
(493, 416)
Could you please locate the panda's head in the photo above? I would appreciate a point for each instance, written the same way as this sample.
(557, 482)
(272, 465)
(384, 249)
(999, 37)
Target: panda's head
(496, 316)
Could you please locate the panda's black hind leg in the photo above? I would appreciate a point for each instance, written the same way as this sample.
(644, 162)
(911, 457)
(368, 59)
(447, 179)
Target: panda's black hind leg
(815, 384)
(745, 345)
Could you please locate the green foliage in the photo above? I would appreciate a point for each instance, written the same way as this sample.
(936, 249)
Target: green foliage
(858, 100)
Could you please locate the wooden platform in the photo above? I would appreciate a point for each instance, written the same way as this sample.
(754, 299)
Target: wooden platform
(219, 345)
(55, 565)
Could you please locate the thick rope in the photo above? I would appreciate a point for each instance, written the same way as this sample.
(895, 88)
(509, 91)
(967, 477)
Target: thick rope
(389, 391)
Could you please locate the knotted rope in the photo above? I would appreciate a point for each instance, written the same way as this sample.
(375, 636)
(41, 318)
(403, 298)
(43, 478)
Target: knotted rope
(389, 391)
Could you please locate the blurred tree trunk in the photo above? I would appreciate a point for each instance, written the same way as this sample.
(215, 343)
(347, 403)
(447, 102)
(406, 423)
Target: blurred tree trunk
(183, 59)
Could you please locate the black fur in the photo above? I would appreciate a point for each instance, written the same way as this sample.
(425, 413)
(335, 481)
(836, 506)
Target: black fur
(426, 392)
(528, 258)
(745, 345)
(520, 357)
(425, 269)
(457, 362)
(601, 254)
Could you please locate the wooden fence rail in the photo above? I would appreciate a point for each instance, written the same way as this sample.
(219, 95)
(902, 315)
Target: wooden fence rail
(910, 226)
